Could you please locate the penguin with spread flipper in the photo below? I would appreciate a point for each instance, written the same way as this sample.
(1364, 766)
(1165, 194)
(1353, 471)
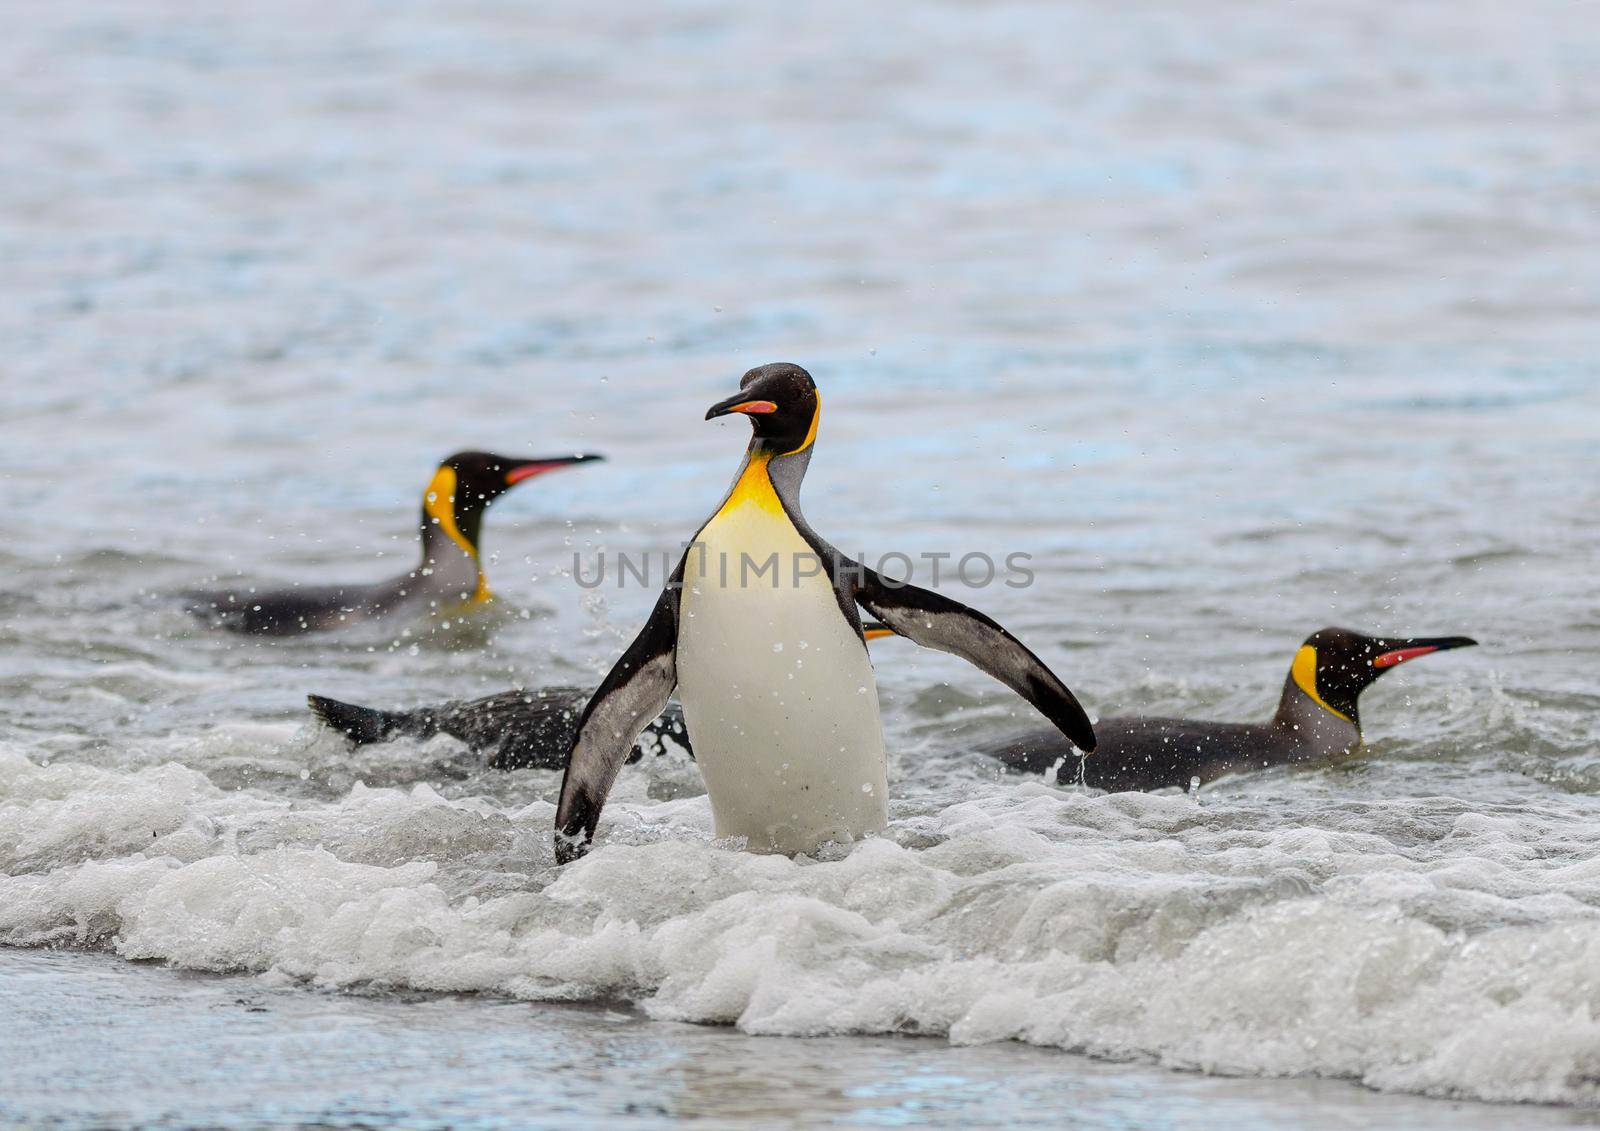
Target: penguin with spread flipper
(758, 632)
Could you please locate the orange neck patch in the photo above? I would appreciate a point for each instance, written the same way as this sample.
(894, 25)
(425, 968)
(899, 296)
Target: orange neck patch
(440, 504)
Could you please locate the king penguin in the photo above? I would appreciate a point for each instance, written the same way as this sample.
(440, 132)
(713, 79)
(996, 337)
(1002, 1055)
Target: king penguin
(448, 579)
(524, 728)
(520, 729)
(758, 632)
(1318, 719)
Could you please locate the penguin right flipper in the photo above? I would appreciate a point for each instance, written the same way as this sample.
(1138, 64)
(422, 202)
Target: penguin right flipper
(635, 691)
(935, 621)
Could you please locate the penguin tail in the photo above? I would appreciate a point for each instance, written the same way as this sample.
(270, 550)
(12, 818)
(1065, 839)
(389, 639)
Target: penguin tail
(360, 725)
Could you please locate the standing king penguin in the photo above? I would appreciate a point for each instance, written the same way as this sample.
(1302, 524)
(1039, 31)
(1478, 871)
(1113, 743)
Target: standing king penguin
(758, 631)
(1318, 720)
(448, 579)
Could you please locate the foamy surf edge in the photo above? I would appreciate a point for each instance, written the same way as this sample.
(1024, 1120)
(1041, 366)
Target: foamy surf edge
(1130, 927)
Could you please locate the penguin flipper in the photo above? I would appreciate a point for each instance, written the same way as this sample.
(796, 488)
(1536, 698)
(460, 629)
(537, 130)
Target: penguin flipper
(633, 694)
(938, 622)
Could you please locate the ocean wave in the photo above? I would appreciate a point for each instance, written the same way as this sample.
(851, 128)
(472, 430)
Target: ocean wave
(1414, 945)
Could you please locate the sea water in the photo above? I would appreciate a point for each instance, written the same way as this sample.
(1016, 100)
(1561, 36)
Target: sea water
(1239, 322)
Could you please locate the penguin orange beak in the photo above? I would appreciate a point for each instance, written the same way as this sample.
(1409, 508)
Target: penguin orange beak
(527, 469)
(1399, 651)
(876, 630)
(740, 403)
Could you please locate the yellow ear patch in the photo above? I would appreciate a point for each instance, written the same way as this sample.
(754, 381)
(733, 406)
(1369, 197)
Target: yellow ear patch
(440, 503)
(811, 433)
(1304, 673)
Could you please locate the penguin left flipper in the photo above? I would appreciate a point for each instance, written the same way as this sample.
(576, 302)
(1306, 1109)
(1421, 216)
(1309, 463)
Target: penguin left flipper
(938, 622)
(635, 692)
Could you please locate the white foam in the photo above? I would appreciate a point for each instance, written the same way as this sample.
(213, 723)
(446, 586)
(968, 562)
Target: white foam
(1413, 945)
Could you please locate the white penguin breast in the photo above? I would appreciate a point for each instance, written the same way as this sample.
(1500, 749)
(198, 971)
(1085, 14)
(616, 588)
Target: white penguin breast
(777, 689)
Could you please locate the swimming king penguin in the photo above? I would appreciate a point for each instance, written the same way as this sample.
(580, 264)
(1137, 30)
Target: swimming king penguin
(758, 632)
(520, 729)
(449, 577)
(525, 728)
(1318, 720)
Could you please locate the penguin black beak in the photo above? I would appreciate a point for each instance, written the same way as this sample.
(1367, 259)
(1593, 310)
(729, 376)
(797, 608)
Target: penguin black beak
(1395, 652)
(741, 402)
(527, 469)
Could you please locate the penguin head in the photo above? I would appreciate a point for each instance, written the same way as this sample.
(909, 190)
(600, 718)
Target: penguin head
(467, 482)
(1335, 665)
(782, 403)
